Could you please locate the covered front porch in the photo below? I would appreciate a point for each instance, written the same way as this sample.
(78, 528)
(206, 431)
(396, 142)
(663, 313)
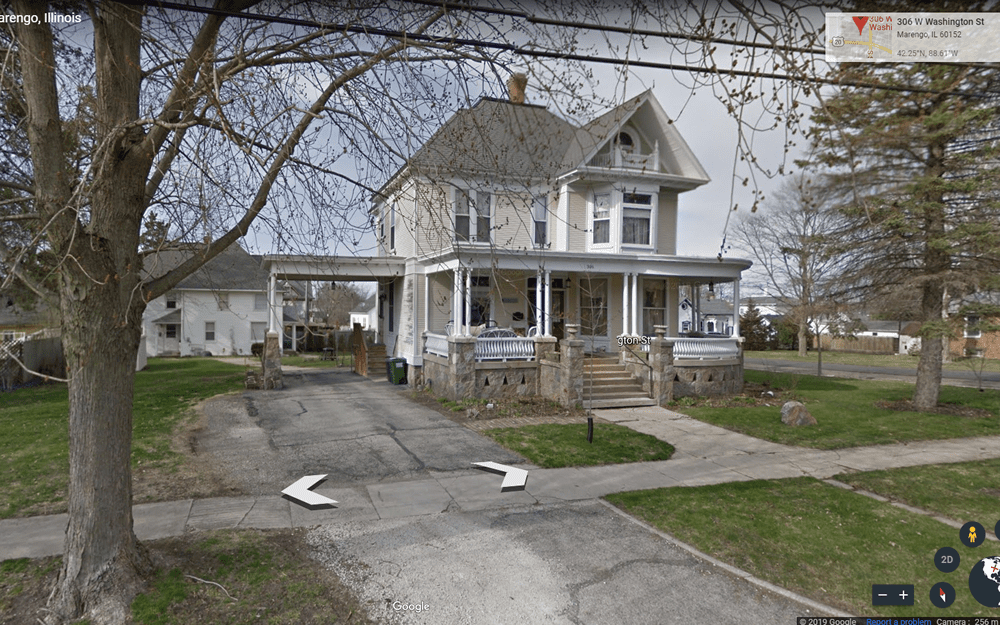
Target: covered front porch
(500, 312)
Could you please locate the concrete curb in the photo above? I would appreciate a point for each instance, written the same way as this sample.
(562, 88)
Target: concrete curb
(732, 570)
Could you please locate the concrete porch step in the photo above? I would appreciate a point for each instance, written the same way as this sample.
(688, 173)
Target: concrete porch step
(627, 402)
(630, 386)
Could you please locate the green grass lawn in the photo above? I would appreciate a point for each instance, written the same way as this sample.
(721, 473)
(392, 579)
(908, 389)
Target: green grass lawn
(815, 539)
(34, 450)
(847, 416)
(963, 491)
(875, 360)
(552, 446)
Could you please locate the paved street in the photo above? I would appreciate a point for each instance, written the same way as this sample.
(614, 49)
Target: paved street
(949, 378)
(414, 523)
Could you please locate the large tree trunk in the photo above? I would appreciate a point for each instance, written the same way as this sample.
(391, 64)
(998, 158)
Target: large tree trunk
(104, 564)
(97, 235)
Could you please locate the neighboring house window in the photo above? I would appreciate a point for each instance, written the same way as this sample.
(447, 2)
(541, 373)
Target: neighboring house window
(392, 227)
(602, 218)
(972, 330)
(539, 213)
(710, 326)
(594, 307)
(171, 330)
(472, 215)
(223, 299)
(258, 332)
(209, 331)
(685, 326)
(259, 301)
(636, 208)
(171, 300)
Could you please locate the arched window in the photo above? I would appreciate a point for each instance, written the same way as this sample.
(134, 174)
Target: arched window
(625, 142)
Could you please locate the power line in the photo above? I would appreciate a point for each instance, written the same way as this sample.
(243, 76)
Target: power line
(534, 53)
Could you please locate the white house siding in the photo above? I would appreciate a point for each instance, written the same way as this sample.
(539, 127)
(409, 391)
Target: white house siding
(405, 222)
(512, 222)
(578, 224)
(434, 227)
(666, 235)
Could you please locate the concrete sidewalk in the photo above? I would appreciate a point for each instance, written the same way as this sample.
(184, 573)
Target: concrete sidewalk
(705, 455)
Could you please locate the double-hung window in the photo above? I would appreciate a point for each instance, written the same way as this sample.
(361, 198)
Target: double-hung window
(209, 331)
(636, 218)
(602, 218)
(540, 217)
(392, 227)
(972, 330)
(472, 215)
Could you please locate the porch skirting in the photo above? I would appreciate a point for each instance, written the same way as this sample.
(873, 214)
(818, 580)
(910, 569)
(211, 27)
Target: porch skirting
(557, 372)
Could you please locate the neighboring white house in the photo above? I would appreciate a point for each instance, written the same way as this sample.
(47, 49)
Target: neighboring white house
(221, 309)
(366, 314)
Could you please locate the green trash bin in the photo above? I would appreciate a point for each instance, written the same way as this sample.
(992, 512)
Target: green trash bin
(396, 370)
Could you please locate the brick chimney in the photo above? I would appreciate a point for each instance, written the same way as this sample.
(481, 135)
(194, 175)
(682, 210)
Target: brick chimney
(516, 84)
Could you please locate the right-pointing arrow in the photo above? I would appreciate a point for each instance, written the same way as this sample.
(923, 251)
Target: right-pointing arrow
(300, 491)
(514, 478)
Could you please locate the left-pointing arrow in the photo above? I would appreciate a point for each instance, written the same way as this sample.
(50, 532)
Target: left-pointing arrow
(300, 491)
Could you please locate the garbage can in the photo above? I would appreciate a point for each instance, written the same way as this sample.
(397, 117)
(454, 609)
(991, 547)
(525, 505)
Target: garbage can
(396, 370)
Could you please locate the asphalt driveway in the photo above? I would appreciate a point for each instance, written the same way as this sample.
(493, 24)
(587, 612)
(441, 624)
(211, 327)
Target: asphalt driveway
(355, 430)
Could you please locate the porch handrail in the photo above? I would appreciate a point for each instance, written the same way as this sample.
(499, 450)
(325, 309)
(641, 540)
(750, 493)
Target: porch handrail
(436, 344)
(706, 348)
(505, 348)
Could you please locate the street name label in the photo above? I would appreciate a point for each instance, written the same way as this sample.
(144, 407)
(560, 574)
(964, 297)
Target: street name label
(912, 37)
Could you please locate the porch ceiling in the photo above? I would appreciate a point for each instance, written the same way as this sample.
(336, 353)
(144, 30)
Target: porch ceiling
(329, 268)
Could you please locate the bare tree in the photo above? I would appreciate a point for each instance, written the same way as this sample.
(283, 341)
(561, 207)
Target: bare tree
(790, 242)
(227, 124)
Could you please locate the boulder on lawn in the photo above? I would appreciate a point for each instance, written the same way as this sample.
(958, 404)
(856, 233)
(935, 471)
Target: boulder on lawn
(795, 413)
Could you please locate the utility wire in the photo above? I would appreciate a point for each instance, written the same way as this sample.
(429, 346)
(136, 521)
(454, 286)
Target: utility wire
(534, 53)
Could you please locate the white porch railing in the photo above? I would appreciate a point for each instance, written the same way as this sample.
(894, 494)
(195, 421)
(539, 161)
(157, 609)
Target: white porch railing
(436, 344)
(706, 349)
(627, 160)
(505, 348)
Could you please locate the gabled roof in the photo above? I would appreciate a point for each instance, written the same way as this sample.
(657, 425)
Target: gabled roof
(232, 270)
(527, 142)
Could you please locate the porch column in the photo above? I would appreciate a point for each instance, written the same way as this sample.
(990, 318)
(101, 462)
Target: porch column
(635, 303)
(456, 296)
(468, 302)
(696, 320)
(272, 295)
(427, 302)
(539, 320)
(548, 303)
(625, 300)
(736, 308)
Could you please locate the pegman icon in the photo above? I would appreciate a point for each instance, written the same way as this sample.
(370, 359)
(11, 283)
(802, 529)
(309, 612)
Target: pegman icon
(972, 534)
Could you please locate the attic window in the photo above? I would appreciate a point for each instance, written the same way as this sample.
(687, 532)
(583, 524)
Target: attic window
(171, 300)
(625, 142)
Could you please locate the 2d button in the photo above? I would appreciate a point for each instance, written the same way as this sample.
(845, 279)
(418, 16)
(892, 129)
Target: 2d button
(972, 534)
(946, 559)
(942, 595)
(892, 594)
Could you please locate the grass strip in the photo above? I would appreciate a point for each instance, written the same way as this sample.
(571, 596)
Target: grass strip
(847, 415)
(552, 445)
(817, 540)
(34, 451)
(962, 491)
(246, 576)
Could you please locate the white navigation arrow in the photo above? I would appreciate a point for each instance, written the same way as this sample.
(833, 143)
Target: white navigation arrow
(514, 478)
(300, 491)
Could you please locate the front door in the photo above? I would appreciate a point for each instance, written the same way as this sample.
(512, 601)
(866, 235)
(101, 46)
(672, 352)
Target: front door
(170, 335)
